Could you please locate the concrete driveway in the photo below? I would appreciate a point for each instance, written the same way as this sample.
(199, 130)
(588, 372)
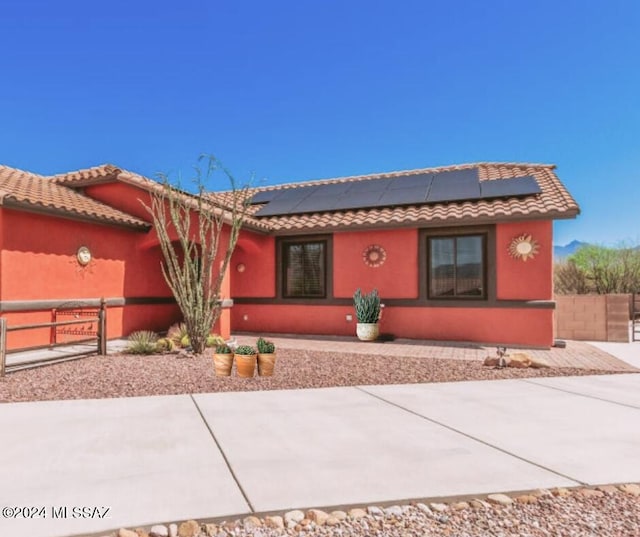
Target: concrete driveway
(169, 458)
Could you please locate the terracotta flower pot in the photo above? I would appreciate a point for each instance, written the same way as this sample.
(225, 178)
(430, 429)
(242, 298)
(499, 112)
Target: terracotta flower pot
(245, 365)
(266, 364)
(367, 331)
(223, 364)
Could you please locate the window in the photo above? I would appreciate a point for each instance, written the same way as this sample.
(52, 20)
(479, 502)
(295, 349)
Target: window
(456, 267)
(304, 269)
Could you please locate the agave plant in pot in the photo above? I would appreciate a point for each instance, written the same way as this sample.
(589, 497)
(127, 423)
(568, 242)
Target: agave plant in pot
(368, 314)
(245, 360)
(223, 360)
(266, 357)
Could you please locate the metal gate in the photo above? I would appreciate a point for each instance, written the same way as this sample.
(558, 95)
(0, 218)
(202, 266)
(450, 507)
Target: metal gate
(72, 323)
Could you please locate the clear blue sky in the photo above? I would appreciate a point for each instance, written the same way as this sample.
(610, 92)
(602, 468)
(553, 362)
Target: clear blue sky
(301, 90)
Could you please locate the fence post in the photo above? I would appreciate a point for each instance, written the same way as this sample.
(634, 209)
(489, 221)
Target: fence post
(102, 328)
(3, 346)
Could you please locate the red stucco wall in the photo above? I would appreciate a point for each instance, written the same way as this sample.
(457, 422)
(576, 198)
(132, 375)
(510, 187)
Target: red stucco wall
(257, 253)
(525, 280)
(398, 279)
(38, 262)
(522, 327)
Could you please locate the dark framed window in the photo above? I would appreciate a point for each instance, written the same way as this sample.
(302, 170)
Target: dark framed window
(304, 268)
(456, 267)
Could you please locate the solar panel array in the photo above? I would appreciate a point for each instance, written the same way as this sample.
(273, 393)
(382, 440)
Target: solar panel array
(418, 189)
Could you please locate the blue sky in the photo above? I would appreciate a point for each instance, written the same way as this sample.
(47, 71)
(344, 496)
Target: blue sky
(300, 90)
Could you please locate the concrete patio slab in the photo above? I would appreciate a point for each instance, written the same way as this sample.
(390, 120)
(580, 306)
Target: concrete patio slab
(621, 389)
(326, 447)
(147, 459)
(585, 439)
(628, 352)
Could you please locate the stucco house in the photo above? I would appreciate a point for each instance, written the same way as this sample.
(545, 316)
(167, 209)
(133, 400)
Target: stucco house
(458, 253)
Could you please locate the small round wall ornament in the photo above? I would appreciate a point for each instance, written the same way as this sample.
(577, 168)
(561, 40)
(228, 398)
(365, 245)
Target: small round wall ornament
(524, 247)
(83, 255)
(374, 255)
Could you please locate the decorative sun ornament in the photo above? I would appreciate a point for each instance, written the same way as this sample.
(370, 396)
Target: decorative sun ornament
(374, 255)
(524, 247)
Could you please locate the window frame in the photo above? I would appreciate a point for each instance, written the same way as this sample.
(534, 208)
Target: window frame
(488, 261)
(281, 272)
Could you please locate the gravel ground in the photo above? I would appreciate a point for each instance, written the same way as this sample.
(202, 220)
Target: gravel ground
(609, 512)
(122, 375)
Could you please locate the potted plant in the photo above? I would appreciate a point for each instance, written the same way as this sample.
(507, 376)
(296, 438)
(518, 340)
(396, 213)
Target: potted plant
(245, 360)
(368, 314)
(266, 357)
(223, 360)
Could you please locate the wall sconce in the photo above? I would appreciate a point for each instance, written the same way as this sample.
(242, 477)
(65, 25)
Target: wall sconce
(240, 267)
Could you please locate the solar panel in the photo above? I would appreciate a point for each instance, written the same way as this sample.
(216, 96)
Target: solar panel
(404, 196)
(264, 197)
(333, 189)
(414, 189)
(297, 193)
(503, 188)
(277, 207)
(363, 187)
(365, 199)
(454, 186)
(411, 181)
(314, 204)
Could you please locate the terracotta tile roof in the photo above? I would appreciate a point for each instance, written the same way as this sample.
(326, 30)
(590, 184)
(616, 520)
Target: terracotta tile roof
(30, 191)
(553, 202)
(109, 173)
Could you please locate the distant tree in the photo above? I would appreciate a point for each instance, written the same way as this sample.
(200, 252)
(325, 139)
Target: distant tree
(196, 255)
(599, 269)
(568, 279)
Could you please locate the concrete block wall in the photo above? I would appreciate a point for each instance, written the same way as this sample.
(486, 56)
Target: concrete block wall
(593, 317)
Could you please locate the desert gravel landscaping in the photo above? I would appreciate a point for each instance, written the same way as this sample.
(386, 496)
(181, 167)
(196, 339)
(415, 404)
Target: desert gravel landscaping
(606, 511)
(123, 375)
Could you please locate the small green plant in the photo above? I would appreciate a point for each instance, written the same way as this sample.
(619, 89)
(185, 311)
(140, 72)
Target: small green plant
(223, 349)
(185, 342)
(142, 342)
(177, 332)
(265, 347)
(367, 306)
(245, 350)
(214, 340)
(165, 345)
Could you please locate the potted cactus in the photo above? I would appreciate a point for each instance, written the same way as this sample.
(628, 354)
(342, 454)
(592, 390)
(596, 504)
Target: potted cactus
(368, 314)
(223, 360)
(266, 357)
(245, 360)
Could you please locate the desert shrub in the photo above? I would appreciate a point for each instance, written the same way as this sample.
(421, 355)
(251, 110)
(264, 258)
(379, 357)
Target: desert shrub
(142, 342)
(213, 340)
(165, 345)
(177, 332)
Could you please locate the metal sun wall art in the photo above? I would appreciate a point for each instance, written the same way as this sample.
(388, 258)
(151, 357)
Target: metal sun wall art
(524, 247)
(374, 255)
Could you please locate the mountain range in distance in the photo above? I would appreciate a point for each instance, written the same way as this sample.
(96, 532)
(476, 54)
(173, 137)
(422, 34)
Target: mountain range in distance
(562, 252)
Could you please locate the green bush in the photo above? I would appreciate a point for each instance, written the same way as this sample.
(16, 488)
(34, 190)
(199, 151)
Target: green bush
(245, 350)
(265, 347)
(223, 349)
(367, 306)
(142, 342)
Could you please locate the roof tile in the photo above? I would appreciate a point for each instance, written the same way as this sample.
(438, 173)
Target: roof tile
(553, 202)
(29, 190)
